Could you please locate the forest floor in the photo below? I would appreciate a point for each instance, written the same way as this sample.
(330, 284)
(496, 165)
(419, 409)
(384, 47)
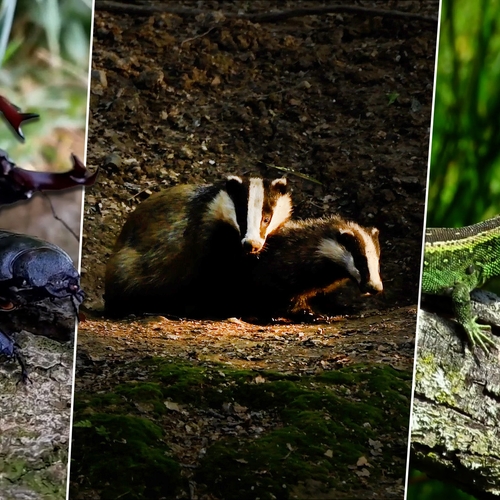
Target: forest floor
(341, 104)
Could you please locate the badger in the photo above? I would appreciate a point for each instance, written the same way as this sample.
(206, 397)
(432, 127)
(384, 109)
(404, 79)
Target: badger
(307, 257)
(181, 249)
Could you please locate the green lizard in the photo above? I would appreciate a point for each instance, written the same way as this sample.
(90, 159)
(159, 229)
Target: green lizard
(456, 261)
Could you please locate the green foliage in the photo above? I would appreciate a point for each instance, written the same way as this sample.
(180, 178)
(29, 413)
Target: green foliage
(465, 162)
(62, 27)
(392, 97)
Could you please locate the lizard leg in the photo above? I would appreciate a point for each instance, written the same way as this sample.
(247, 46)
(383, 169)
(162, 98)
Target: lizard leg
(476, 333)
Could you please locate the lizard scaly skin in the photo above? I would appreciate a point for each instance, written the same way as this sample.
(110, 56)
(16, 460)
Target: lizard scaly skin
(456, 261)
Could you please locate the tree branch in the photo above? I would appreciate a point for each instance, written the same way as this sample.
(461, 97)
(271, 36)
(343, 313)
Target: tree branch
(265, 17)
(456, 411)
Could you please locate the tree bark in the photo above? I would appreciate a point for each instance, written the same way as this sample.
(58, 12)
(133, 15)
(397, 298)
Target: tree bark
(35, 417)
(456, 410)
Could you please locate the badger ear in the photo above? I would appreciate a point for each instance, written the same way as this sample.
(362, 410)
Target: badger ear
(233, 180)
(374, 232)
(346, 237)
(280, 184)
(346, 233)
(234, 184)
(345, 230)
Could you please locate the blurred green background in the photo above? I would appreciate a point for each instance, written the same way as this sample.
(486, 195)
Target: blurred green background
(45, 70)
(44, 51)
(422, 487)
(465, 161)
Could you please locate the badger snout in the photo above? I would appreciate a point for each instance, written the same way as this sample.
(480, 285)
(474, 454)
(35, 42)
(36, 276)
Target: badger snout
(372, 288)
(252, 246)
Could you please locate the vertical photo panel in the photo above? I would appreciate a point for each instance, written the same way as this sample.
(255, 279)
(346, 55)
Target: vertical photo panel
(44, 78)
(454, 430)
(252, 248)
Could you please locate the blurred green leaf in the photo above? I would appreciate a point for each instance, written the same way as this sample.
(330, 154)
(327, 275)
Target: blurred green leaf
(465, 160)
(46, 72)
(392, 97)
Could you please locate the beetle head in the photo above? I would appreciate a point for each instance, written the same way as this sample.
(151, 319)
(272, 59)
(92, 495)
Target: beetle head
(47, 272)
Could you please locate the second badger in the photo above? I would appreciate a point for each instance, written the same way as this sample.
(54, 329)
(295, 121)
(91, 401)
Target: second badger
(308, 257)
(181, 247)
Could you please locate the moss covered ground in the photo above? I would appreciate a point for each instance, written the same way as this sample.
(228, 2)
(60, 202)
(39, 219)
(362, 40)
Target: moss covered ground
(250, 434)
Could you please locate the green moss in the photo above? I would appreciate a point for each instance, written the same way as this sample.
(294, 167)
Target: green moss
(144, 393)
(316, 419)
(41, 482)
(97, 401)
(322, 425)
(124, 457)
(13, 469)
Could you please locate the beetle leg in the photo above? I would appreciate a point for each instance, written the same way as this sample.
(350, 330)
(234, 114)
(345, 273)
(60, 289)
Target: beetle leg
(10, 349)
(22, 363)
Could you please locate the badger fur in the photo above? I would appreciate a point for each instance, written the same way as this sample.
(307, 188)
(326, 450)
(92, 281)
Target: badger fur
(308, 257)
(180, 247)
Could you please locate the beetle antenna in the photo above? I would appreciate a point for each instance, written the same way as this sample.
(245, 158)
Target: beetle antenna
(58, 218)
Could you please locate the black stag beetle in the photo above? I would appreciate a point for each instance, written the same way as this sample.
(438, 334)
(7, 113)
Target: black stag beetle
(31, 270)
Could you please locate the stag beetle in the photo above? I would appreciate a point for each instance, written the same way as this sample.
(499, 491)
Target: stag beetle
(32, 269)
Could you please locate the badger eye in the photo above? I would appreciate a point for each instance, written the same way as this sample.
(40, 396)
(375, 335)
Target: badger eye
(266, 219)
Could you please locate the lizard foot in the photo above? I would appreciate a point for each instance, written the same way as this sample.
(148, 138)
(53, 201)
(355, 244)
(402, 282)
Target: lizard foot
(479, 334)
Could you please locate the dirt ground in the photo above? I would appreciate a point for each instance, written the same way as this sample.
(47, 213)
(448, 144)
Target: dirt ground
(340, 103)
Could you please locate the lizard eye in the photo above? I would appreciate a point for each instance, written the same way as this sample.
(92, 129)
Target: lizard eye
(470, 269)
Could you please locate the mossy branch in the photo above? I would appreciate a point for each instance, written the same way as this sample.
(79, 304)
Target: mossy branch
(456, 413)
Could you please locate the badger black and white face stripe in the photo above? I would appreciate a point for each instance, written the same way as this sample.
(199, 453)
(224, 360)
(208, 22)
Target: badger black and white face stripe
(372, 254)
(254, 207)
(223, 207)
(269, 206)
(356, 250)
